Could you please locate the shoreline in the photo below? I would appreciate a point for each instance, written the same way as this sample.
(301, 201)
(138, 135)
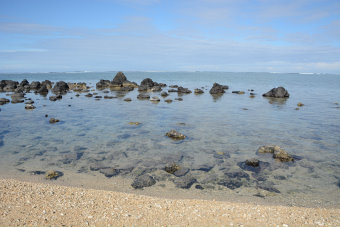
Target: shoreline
(26, 203)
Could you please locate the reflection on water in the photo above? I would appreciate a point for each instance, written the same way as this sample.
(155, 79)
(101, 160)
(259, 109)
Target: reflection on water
(94, 145)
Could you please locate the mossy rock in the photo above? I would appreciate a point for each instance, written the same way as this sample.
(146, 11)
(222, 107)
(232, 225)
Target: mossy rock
(53, 175)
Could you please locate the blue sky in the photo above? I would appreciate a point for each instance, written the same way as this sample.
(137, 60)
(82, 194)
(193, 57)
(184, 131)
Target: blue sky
(156, 35)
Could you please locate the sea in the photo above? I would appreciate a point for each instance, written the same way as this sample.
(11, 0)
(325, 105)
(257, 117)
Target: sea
(221, 134)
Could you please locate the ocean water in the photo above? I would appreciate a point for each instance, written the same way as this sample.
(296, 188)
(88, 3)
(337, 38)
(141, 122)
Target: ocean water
(221, 133)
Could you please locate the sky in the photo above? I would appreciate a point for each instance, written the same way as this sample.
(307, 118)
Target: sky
(157, 35)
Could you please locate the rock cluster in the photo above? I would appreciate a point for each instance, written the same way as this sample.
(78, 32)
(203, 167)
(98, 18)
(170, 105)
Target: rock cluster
(278, 153)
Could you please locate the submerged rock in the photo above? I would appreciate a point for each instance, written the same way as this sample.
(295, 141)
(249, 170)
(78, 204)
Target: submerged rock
(185, 182)
(300, 104)
(168, 100)
(171, 168)
(134, 123)
(53, 175)
(143, 181)
(278, 153)
(55, 98)
(230, 183)
(109, 172)
(128, 100)
(279, 92)
(282, 156)
(173, 134)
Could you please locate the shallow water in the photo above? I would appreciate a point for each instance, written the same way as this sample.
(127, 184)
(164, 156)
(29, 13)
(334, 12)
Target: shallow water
(221, 132)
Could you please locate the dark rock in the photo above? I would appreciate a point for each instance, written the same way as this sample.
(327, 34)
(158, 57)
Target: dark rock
(35, 85)
(109, 172)
(185, 182)
(268, 186)
(29, 107)
(98, 97)
(173, 134)
(179, 99)
(238, 92)
(55, 98)
(8, 85)
(199, 187)
(128, 100)
(168, 100)
(29, 102)
(171, 168)
(164, 94)
(143, 181)
(183, 90)
(143, 88)
(72, 157)
(37, 172)
(42, 90)
(17, 100)
(147, 82)
(119, 79)
(279, 92)
(126, 88)
(253, 162)
(18, 96)
(109, 97)
(182, 171)
(88, 95)
(173, 86)
(198, 91)
(23, 83)
(280, 178)
(253, 165)
(53, 120)
(46, 115)
(206, 167)
(47, 84)
(172, 90)
(102, 84)
(3, 101)
(230, 183)
(60, 88)
(218, 89)
(156, 89)
(143, 96)
(237, 175)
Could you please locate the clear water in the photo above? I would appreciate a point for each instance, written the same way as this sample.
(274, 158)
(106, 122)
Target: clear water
(233, 124)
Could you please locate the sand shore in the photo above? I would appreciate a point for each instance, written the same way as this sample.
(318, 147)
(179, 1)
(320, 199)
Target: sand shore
(23, 203)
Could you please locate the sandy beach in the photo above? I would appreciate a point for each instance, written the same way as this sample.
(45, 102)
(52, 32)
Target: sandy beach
(31, 204)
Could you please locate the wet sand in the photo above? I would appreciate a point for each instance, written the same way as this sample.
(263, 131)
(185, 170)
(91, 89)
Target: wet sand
(23, 203)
